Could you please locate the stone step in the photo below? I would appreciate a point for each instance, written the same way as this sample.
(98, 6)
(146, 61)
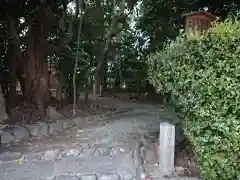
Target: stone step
(115, 167)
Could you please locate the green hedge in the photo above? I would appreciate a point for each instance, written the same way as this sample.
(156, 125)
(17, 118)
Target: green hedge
(202, 74)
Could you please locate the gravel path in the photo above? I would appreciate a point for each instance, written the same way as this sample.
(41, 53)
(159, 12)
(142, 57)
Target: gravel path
(103, 150)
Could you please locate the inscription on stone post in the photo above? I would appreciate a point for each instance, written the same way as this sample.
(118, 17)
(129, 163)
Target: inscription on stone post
(167, 147)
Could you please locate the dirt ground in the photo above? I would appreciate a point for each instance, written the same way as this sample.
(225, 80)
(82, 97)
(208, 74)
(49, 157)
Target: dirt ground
(25, 113)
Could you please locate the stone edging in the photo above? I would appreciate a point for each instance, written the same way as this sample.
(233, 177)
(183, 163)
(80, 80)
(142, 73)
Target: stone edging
(104, 176)
(56, 158)
(59, 153)
(14, 134)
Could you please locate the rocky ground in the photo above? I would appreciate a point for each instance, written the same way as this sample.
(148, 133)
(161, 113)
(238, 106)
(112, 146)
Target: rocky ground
(89, 147)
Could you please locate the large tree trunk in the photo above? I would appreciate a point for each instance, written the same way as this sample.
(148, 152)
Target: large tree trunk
(36, 75)
(14, 55)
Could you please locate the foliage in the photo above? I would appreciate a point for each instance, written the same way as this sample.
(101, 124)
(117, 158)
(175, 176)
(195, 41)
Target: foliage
(162, 19)
(202, 74)
(127, 64)
(97, 19)
(62, 44)
(154, 22)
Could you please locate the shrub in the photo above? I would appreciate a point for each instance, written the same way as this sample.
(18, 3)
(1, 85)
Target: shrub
(202, 74)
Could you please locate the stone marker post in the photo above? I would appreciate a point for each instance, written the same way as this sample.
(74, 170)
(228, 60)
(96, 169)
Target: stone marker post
(167, 147)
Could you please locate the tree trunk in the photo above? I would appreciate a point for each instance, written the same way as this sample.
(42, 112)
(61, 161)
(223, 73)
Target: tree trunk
(77, 57)
(94, 98)
(104, 83)
(36, 75)
(3, 114)
(98, 80)
(12, 57)
(113, 29)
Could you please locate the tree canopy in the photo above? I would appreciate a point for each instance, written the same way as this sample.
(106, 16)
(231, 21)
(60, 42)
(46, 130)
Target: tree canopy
(115, 38)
